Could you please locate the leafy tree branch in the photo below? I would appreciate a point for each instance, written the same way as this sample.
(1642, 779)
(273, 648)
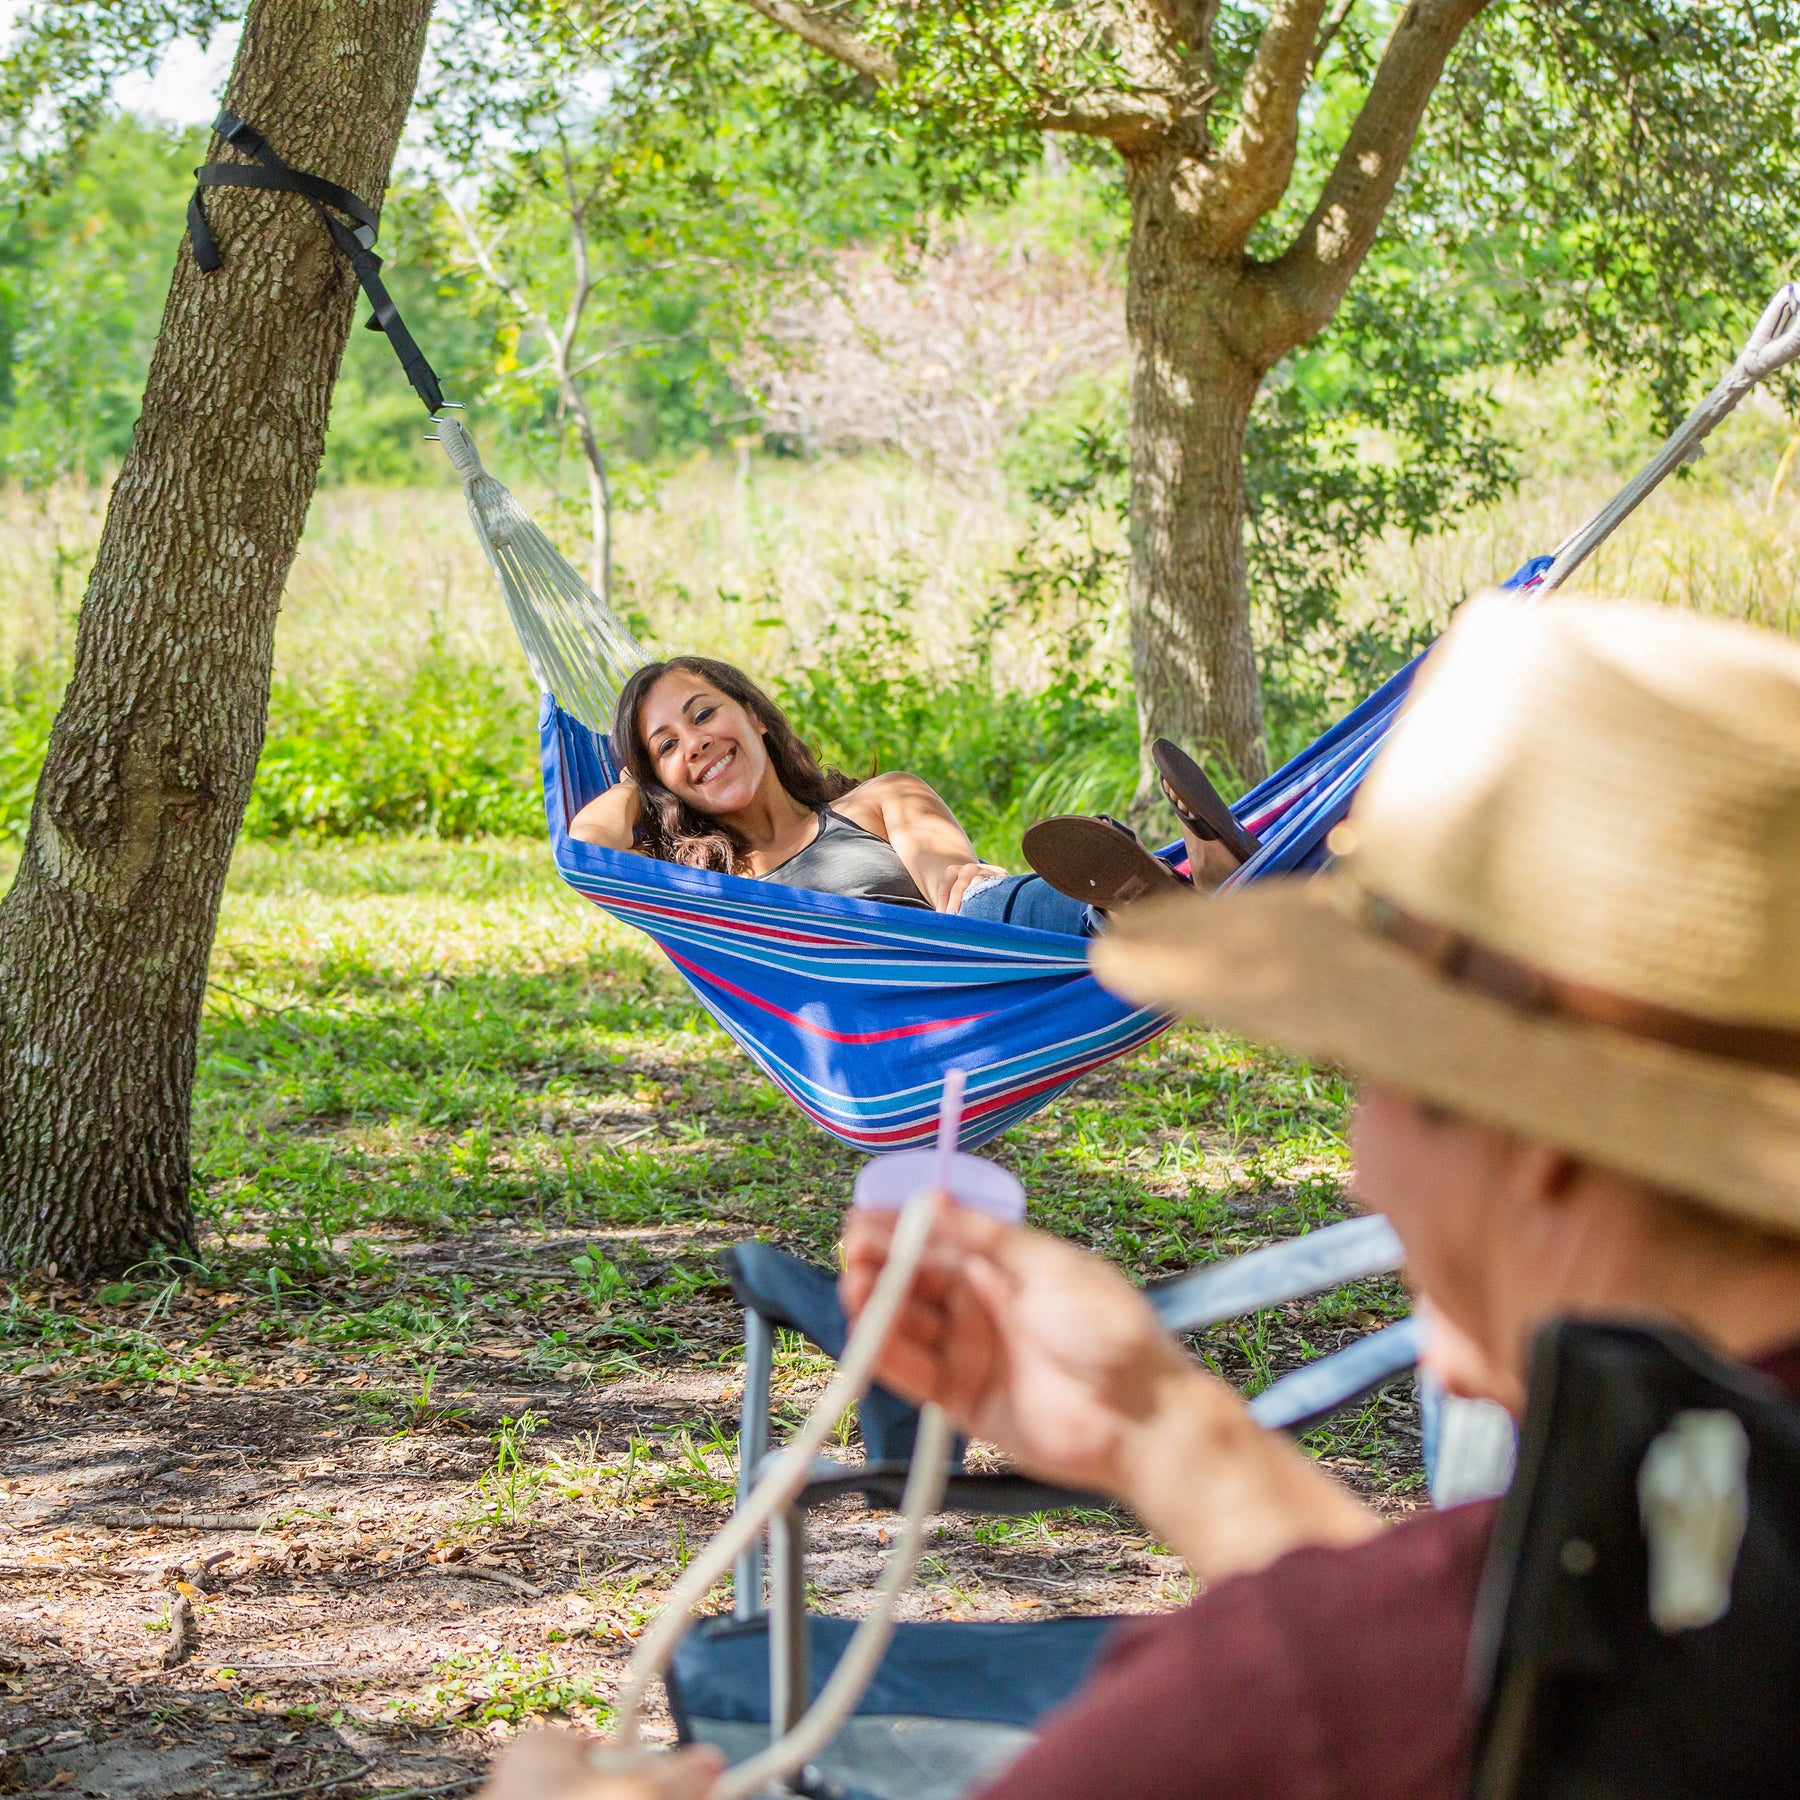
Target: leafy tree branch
(1313, 275)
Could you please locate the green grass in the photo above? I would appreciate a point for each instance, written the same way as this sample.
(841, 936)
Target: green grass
(473, 1691)
(452, 1121)
(463, 1040)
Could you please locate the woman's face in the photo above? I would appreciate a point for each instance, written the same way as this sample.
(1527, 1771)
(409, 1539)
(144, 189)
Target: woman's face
(706, 748)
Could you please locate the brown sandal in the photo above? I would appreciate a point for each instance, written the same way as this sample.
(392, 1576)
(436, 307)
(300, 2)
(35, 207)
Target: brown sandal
(1197, 803)
(1095, 859)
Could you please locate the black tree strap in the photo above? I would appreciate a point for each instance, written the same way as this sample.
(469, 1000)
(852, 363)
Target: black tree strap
(334, 205)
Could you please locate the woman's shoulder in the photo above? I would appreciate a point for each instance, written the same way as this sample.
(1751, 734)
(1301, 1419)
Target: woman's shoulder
(866, 804)
(890, 784)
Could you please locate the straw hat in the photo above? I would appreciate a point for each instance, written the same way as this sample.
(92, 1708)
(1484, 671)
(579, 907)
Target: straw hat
(1566, 902)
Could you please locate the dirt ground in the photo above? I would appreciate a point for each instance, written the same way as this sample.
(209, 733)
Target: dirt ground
(385, 1579)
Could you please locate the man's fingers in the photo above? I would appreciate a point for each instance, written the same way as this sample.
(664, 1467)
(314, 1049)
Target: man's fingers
(557, 1765)
(689, 1774)
(869, 1234)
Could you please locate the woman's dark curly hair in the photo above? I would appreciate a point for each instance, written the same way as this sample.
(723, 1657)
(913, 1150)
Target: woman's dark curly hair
(670, 829)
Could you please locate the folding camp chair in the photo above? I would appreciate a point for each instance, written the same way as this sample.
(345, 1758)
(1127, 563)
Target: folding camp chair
(952, 1702)
(1638, 1630)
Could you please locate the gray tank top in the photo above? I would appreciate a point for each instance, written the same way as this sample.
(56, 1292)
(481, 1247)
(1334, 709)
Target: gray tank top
(845, 859)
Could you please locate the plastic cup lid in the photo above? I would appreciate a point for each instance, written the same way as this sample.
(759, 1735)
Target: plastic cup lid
(981, 1186)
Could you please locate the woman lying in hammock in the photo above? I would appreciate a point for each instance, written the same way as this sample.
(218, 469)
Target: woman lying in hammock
(715, 777)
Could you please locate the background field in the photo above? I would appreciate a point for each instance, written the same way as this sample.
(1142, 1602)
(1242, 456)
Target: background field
(879, 597)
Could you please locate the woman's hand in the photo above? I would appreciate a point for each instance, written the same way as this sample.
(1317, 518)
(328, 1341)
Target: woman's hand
(554, 1765)
(956, 880)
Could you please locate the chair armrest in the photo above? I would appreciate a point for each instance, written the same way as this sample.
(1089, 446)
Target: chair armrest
(1301, 1400)
(1322, 1259)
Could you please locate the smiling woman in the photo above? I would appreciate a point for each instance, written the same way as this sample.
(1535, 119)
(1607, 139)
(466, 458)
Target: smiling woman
(714, 776)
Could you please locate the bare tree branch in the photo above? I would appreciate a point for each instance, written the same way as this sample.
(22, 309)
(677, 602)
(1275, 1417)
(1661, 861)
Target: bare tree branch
(1304, 286)
(559, 348)
(1255, 164)
(482, 251)
(813, 28)
(1334, 22)
(625, 346)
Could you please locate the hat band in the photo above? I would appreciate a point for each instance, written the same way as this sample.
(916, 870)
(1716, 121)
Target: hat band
(1526, 988)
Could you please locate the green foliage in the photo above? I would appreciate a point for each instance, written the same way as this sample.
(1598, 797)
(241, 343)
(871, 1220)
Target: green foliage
(635, 200)
(26, 713)
(1381, 426)
(480, 1690)
(452, 754)
(869, 697)
(1624, 171)
(378, 429)
(504, 1492)
(600, 1281)
(85, 266)
(83, 273)
(60, 65)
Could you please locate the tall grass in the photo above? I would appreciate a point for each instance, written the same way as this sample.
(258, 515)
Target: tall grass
(882, 603)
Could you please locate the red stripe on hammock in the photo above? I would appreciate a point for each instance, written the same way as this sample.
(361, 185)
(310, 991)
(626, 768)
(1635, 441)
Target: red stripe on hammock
(729, 927)
(836, 1037)
(923, 1127)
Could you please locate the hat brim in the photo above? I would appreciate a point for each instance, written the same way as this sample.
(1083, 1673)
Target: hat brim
(1287, 962)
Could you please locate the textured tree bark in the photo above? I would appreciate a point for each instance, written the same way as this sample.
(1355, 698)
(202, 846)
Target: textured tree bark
(105, 934)
(1194, 374)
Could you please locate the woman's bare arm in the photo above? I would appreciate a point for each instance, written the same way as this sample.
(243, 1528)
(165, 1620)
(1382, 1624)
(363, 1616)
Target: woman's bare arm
(611, 820)
(924, 833)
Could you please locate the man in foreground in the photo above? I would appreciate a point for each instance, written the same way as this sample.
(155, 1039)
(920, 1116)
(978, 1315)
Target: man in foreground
(1561, 953)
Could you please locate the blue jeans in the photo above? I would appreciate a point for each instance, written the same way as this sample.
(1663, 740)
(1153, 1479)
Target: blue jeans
(1030, 900)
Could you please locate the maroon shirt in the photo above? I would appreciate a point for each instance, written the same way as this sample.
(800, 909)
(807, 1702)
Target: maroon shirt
(1329, 1675)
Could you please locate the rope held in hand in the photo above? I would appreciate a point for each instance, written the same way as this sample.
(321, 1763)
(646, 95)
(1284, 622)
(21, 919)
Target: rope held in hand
(777, 1490)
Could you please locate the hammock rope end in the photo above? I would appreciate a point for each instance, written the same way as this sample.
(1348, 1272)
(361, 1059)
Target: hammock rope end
(459, 446)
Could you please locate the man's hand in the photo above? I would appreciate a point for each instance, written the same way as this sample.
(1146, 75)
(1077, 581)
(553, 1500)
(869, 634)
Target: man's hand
(1024, 1341)
(1054, 1356)
(554, 1765)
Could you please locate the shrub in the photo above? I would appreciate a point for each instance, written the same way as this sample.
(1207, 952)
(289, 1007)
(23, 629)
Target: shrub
(870, 697)
(452, 754)
(26, 712)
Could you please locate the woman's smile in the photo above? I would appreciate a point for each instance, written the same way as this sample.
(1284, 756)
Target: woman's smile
(716, 767)
(718, 777)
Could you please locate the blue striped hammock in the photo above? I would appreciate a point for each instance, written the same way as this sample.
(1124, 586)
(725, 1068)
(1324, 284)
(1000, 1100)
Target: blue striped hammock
(854, 1009)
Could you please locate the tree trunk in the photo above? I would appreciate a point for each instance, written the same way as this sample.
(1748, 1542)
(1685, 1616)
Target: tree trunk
(1192, 658)
(105, 935)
